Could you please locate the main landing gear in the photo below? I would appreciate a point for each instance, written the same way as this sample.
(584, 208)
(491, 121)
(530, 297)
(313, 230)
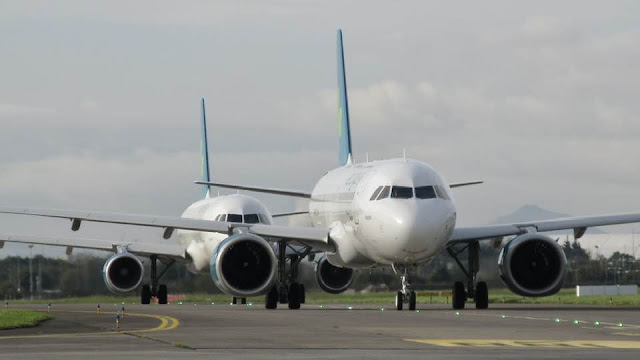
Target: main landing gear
(477, 291)
(406, 295)
(159, 291)
(287, 290)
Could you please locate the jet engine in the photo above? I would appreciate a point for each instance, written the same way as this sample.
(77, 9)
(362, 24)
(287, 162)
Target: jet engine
(123, 273)
(244, 265)
(331, 278)
(533, 265)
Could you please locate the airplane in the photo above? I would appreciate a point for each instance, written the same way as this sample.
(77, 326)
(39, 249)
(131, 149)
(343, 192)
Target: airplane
(396, 213)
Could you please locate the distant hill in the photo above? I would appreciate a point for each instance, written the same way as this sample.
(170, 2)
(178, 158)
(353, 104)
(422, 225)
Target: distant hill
(534, 212)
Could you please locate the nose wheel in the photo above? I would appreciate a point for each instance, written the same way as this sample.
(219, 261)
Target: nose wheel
(476, 290)
(406, 295)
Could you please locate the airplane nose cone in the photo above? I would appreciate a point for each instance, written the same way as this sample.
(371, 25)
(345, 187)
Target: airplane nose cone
(417, 228)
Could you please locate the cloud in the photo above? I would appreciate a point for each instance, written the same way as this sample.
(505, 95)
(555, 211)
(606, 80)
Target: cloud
(18, 111)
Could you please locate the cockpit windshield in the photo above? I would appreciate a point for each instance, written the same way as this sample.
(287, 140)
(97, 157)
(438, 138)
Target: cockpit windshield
(425, 192)
(251, 218)
(235, 218)
(246, 218)
(401, 192)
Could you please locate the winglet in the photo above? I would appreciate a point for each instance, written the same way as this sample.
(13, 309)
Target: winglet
(204, 151)
(344, 132)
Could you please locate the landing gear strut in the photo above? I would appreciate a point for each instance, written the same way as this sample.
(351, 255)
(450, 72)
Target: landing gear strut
(157, 290)
(287, 290)
(475, 290)
(406, 295)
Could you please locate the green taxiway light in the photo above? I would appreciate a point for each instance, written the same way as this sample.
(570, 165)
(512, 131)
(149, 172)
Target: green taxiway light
(504, 316)
(457, 313)
(557, 320)
(576, 322)
(620, 324)
(250, 304)
(321, 306)
(179, 302)
(350, 308)
(417, 311)
(381, 309)
(596, 323)
(212, 303)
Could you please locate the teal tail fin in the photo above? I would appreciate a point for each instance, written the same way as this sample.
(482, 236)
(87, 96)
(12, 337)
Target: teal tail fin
(344, 131)
(204, 151)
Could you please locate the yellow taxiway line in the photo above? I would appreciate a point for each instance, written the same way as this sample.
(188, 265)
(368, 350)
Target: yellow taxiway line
(166, 323)
(608, 344)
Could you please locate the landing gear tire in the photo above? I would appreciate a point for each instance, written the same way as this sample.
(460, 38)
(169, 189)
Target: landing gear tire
(303, 297)
(162, 294)
(458, 295)
(234, 300)
(243, 301)
(412, 300)
(294, 296)
(271, 299)
(399, 300)
(482, 295)
(145, 295)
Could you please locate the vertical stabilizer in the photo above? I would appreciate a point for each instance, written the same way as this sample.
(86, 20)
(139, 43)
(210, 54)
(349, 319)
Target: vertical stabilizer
(344, 132)
(204, 152)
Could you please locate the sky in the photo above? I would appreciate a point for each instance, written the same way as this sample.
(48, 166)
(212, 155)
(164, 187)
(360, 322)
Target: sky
(99, 101)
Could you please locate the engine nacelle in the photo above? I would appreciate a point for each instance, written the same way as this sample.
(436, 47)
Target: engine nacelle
(123, 273)
(533, 265)
(331, 278)
(244, 265)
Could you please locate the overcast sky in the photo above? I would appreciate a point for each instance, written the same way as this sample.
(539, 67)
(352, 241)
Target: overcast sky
(99, 100)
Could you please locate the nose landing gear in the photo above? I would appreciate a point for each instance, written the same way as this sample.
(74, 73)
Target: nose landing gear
(406, 295)
(477, 291)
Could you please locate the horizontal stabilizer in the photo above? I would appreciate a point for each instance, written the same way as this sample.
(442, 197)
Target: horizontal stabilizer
(284, 192)
(461, 184)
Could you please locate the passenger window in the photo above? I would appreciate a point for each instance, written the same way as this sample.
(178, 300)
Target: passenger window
(425, 192)
(251, 218)
(375, 193)
(442, 193)
(234, 218)
(384, 193)
(401, 192)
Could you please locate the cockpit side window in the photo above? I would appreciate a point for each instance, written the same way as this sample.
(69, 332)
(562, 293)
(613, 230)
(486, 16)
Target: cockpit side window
(223, 217)
(217, 217)
(251, 218)
(235, 218)
(425, 192)
(442, 193)
(264, 219)
(401, 192)
(384, 193)
(375, 193)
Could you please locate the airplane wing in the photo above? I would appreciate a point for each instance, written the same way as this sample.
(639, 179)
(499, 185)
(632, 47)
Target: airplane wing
(578, 224)
(285, 192)
(461, 184)
(314, 237)
(174, 251)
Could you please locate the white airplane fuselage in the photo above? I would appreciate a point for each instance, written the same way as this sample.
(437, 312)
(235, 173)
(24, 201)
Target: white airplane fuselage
(402, 230)
(395, 230)
(201, 245)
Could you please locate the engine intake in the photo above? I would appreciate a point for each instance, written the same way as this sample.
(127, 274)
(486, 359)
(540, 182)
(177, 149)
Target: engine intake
(123, 273)
(533, 265)
(244, 265)
(331, 278)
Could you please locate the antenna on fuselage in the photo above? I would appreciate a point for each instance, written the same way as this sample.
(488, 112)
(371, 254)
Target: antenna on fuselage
(404, 154)
(367, 157)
